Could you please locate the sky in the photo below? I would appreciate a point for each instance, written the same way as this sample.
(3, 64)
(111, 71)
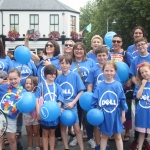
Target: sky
(75, 4)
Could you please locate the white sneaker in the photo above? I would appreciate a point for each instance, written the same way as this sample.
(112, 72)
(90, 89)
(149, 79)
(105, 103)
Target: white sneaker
(92, 143)
(73, 142)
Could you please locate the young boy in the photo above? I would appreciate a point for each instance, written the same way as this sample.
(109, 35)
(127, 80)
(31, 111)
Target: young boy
(72, 87)
(142, 45)
(95, 76)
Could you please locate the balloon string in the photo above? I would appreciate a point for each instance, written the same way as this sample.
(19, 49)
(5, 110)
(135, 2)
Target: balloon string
(21, 68)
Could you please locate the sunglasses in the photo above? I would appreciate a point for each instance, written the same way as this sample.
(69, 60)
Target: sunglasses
(50, 45)
(116, 41)
(70, 45)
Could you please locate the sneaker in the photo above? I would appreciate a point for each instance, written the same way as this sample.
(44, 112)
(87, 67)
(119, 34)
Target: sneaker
(92, 143)
(134, 145)
(37, 148)
(73, 142)
(146, 144)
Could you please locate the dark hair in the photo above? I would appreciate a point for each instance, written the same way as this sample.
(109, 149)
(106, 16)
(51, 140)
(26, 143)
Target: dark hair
(65, 57)
(117, 35)
(140, 39)
(2, 50)
(15, 70)
(101, 49)
(109, 63)
(34, 81)
(75, 46)
(50, 69)
(138, 27)
(56, 48)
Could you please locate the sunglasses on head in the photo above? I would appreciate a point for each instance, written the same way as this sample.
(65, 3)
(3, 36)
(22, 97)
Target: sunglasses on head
(50, 45)
(70, 45)
(116, 41)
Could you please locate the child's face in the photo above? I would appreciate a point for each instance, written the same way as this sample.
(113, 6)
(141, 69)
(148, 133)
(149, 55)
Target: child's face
(145, 72)
(29, 85)
(109, 72)
(14, 79)
(102, 58)
(142, 46)
(50, 77)
(65, 66)
(95, 43)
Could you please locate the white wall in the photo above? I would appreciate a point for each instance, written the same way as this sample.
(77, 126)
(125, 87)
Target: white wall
(44, 22)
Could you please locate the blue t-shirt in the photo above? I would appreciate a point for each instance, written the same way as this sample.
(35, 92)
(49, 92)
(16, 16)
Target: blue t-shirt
(56, 94)
(27, 70)
(96, 76)
(111, 99)
(92, 56)
(71, 85)
(8, 102)
(136, 61)
(6, 64)
(84, 66)
(40, 72)
(142, 110)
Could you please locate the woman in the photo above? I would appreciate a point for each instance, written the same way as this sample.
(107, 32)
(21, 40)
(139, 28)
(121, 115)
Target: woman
(95, 42)
(138, 31)
(68, 47)
(81, 64)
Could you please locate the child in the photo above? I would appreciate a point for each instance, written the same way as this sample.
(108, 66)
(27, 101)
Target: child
(141, 93)
(109, 97)
(9, 95)
(52, 91)
(73, 87)
(32, 125)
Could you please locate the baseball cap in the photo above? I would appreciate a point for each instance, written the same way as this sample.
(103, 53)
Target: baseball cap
(3, 74)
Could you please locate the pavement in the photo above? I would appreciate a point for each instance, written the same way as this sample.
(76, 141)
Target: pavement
(60, 146)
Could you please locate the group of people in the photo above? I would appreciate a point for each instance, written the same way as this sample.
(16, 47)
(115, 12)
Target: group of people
(64, 77)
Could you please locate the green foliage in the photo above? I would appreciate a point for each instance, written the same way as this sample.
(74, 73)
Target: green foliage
(127, 14)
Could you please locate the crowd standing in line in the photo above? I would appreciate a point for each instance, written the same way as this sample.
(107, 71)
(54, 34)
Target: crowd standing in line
(92, 71)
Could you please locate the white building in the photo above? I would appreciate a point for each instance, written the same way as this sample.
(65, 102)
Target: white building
(42, 15)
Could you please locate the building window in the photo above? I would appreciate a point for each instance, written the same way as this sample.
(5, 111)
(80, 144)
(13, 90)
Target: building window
(72, 23)
(34, 22)
(14, 22)
(54, 22)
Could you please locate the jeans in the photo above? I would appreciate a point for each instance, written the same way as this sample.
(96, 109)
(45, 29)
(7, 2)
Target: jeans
(19, 122)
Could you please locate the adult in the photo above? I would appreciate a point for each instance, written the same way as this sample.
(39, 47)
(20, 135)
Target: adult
(10, 54)
(95, 42)
(117, 54)
(81, 64)
(137, 32)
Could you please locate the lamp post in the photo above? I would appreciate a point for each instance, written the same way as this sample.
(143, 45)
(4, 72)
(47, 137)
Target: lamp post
(114, 22)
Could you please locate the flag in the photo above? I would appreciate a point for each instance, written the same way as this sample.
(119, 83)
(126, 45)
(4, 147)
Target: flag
(88, 28)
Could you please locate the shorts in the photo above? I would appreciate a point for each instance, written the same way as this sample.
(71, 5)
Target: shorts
(11, 125)
(29, 120)
(143, 130)
(48, 127)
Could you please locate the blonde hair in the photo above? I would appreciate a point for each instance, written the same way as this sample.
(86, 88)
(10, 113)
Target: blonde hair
(109, 63)
(72, 44)
(97, 37)
(139, 78)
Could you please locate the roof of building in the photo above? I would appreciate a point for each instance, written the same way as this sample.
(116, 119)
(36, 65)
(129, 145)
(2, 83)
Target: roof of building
(34, 5)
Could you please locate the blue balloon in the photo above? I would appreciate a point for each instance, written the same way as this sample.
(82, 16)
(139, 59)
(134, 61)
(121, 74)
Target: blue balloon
(50, 111)
(68, 118)
(122, 71)
(22, 54)
(27, 102)
(95, 117)
(108, 38)
(85, 100)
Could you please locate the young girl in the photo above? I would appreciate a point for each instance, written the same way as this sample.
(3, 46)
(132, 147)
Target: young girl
(109, 96)
(32, 125)
(142, 94)
(9, 95)
(52, 91)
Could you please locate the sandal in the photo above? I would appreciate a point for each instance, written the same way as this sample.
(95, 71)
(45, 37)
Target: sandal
(112, 138)
(126, 138)
(6, 141)
(18, 135)
(72, 134)
(84, 135)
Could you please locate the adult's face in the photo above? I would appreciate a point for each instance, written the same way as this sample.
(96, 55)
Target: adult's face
(137, 33)
(50, 48)
(95, 43)
(68, 47)
(79, 52)
(116, 43)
